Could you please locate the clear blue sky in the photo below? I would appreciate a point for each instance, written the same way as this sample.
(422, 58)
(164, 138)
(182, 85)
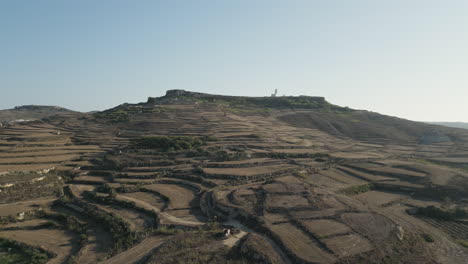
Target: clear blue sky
(400, 57)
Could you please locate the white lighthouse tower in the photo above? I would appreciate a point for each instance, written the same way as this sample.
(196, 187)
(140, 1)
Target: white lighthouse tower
(276, 92)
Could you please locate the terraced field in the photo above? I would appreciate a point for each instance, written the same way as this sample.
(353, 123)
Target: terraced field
(107, 187)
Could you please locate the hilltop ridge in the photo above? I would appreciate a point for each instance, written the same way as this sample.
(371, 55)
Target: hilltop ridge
(181, 92)
(302, 111)
(306, 102)
(32, 112)
(40, 108)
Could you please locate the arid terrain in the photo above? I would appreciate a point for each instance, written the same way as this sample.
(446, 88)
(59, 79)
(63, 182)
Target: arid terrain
(198, 178)
(452, 124)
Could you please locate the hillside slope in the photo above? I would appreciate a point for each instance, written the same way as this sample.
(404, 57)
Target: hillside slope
(316, 112)
(451, 124)
(374, 127)
(196, 178)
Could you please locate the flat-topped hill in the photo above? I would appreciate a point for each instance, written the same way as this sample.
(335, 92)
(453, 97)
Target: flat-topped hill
(306, 102)
(301, 111)
(32, 112)
(43, 108)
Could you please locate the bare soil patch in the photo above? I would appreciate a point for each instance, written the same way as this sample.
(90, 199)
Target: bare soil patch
(300, 244)
(376, 198)
(151, 198)
(373, 226)
(325, 228)
(348, 245)
(16, 208)
(58, 241)
(179, 197)
(286, 202)
(137, 220)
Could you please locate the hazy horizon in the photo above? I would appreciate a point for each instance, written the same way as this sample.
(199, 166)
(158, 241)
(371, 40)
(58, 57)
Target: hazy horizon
(399, 58)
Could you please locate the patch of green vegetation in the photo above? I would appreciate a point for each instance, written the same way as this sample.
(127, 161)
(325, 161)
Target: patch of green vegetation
(197, 247)
(122, 235)
(29, 185)
(170, 143)
(357, 189)
(441, 214)
(111, 200)
(428, 238)
(114, 116)
(463, 243)
(236, 102)
(286, 102)
(12, 257)
(118, 162)
(70, 223)
(66, 175)
(13, 252)
(222, 155)
(7, 219)
(209, 138)
(106, 188)
(195, 99)
(198, 170)
(30, 214)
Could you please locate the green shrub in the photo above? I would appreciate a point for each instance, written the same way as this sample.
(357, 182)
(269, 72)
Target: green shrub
(193, 247)
(16, 253)
(463, 243)
(223, 155)
(428, 238)
(198, 170)
(106, 188)
(122, 235)
(437, 213)
(169, 143)
(114, 116)
(353, 190)
(26, 189)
